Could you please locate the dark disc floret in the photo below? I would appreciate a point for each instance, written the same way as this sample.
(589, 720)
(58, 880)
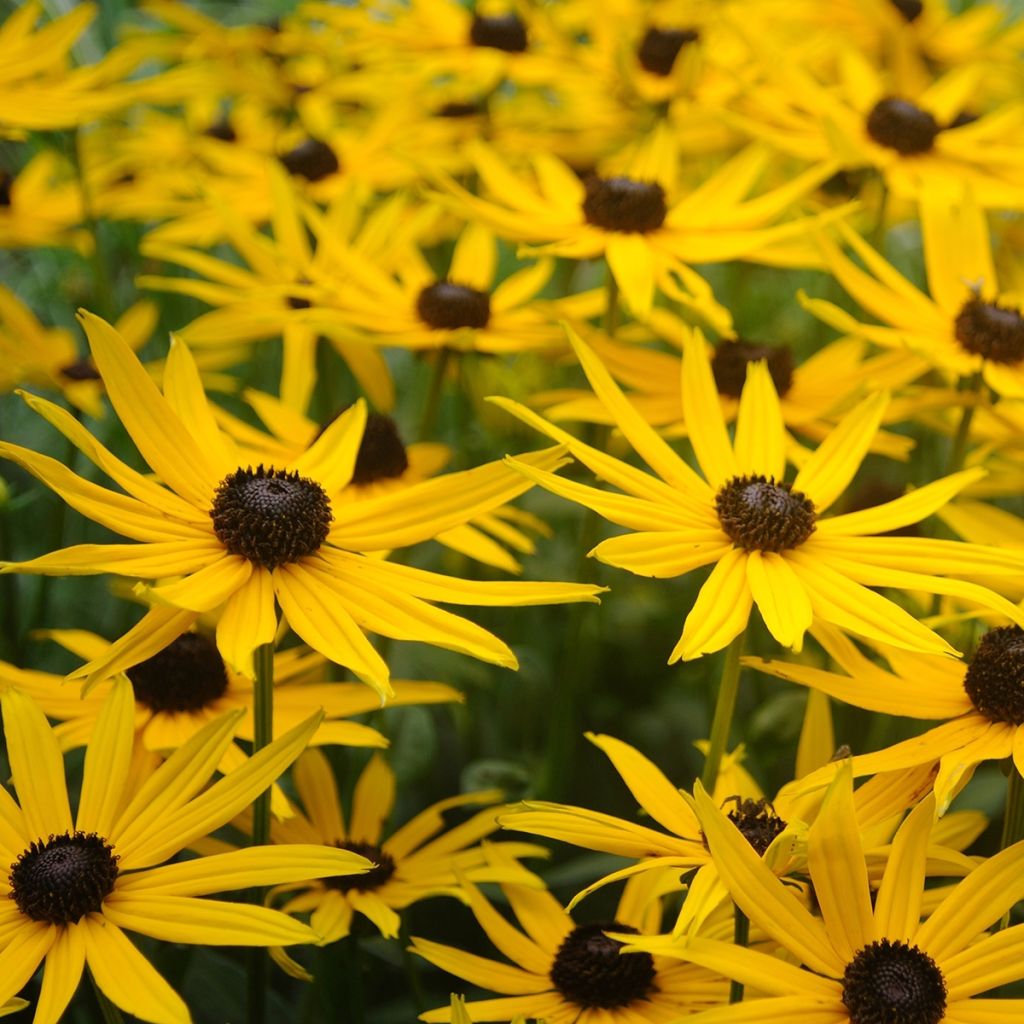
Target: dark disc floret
(624, 204)
(187, 675)
(893, 983)
(457, 110)
(447, 306)
(373, 879)
(589, 970)
(757, 821)
(910, 9)
(760, 514)
(731, 358)
(82, 369)
(901, 125)
(660, 46)
(61, 879)
(991, 331)
(381, 455)
(499, 32)
(995, 676)
(311, 160)
(5, 188)
(270, 516)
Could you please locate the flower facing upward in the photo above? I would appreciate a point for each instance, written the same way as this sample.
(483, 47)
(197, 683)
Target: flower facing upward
(769, 540)
(868, 963)
(76, 884)
(243, 536)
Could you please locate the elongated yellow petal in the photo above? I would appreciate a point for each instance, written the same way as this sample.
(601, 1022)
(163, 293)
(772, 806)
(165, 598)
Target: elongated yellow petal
(488, 974)
(475, 258)
(23, 954)
(147, 561)
(64, 965)
(760, 431)
(107, 761)
(247, 621)
(631, 261)
(372, 801)
(126, 977)
(315, 783)
(332, 457)
(986, 965)
(210, 587)
(506, 938)
(780, 597)
(702, 410)
(663, 554)
(37, 766)
(898, 903)
(721, 610)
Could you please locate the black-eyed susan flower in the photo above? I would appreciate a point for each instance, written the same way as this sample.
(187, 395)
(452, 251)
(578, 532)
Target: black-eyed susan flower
(242, 536)
(965, 324)
(767, 537)
(41, 205)
(865, 961)
(78, 883)
(568, 973)
(415, 861)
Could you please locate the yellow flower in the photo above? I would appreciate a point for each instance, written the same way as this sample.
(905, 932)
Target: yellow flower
(768, 538)
(76, 884)
(42, 206)
(865, 961)
(242, 537)
(564, 972)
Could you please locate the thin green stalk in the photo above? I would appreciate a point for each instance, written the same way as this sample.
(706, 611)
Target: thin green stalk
(958, 453)
(724, 708)
(353, 961)
(740, 937)
(611, 305)
(1013, 818)
(103, 294)
(428, 421)
(878, 232)
(111, 1014)
(412, 967)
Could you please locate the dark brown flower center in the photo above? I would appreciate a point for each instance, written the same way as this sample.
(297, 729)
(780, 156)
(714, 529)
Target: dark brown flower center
(624, 204)
(221, 130)
(660, 47)
(903, 126)
(270, 516)
(372, 879)
(446, 306)
(63, 878)
(759, 514)
(83, 369)
(311, 160)
(589, 970)
(991, 331)
(499, 32)
(457, 110)
(382, 455)
(893, 983)
(995, 676)
(910, 9)
(187, 675)
(757, 821)
(731, 359)
(5, 188)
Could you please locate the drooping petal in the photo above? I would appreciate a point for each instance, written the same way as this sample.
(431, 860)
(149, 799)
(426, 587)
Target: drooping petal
(780, 597)
(64, 965)
(247, 621)
(107, 761)
(721, 610)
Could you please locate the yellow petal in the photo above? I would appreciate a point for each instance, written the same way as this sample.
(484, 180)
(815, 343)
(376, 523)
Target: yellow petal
(780, 597)
(721, 610)
(760, 432)
(702, 410)
(898, 903)
(372, 801)
(64, 965)
(247, 621)
(107, 761)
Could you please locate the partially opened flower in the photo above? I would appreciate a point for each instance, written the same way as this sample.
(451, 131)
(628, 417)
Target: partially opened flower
(78, 883)
(866, 962)
(767, 538)
(243, 536)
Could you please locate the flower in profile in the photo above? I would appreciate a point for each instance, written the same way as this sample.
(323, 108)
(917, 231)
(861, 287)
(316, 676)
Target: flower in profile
(413, 863)
(78, 883)
(866, 962)
(242, 537)
(768, 538)
(563, 971)
(966, 324)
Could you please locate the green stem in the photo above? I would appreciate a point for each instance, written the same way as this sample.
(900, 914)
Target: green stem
(878, 232)
(958, 452)
(1013, 819)
(611, 305)
(724, 708)
(412, 967)
(353, 961)
(740, 937)
(111, 1014)
(428, 421)
(103, 294)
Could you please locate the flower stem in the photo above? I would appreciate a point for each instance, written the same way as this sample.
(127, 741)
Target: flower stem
(724, 708)
(611, 305)
(111, 1014)
(263, 731)
(958, 452)
(428, 421)
(740, 937)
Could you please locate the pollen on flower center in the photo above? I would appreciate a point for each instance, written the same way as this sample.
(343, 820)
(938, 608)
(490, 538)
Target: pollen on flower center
(382, 455)
(311, 160)
(61, 879)
(447, 306)
(589, 970)
(660, 47)
(624, 204)
(759, 514)
(991, 331)
(187, 675)
(731, 358)
(903, 126)
(995, 677)
(910, 9)
(499, 32)
(270, 516)
(893, 983)
(372, 879)
(757, 821)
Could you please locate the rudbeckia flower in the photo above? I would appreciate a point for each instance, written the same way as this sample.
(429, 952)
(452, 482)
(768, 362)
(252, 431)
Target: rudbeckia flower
(77, 884)
(242, 536)
(565, 973)
(42, 206)
(413, 863)
(767, 538)
(865, 961)
(980, 703)
(965, 324)
(641, 221)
